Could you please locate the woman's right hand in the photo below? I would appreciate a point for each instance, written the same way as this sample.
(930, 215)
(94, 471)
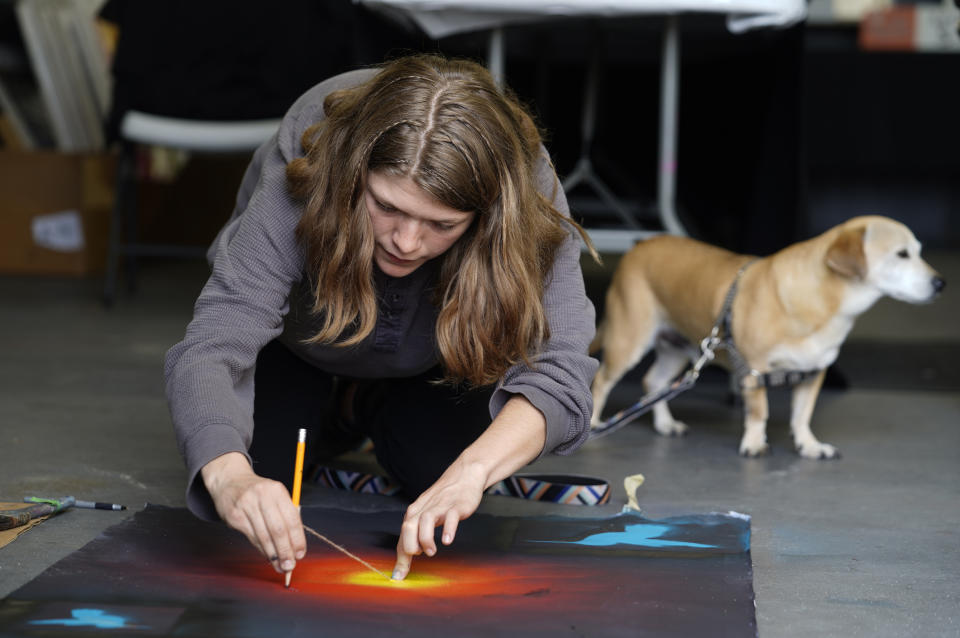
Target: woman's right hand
(259, 508)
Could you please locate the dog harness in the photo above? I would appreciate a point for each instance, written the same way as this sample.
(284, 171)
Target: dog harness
(720, 337)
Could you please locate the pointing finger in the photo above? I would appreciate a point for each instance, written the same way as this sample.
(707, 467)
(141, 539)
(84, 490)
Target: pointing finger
(402, 567)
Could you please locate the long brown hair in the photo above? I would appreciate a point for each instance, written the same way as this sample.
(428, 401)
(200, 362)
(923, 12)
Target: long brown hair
(472, 146)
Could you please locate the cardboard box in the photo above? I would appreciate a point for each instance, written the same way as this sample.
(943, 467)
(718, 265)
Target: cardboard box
(55, 212)
(912, 27)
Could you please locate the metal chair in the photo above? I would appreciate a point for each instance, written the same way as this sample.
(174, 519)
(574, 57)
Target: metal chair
(195, 136)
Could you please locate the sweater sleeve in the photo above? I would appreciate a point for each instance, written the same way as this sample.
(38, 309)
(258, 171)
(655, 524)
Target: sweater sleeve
(558, 382)
(255, 260)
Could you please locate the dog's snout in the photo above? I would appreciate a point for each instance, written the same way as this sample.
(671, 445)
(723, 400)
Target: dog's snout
(938, 283)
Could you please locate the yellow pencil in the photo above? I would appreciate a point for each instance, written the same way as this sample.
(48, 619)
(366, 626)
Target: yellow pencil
(297, 480)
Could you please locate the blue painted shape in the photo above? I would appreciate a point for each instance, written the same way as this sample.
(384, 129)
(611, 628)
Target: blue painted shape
(97, 618)
(641, 534)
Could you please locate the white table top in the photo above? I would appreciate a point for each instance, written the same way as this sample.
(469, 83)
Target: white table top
(440, 18)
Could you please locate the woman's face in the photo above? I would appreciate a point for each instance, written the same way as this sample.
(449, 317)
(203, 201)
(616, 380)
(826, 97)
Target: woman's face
(409, 226)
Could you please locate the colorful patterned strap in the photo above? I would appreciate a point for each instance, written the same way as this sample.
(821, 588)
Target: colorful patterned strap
(354, 481)
(566, 489)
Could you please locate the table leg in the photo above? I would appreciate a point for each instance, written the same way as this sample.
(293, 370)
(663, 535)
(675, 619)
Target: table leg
(669, 97)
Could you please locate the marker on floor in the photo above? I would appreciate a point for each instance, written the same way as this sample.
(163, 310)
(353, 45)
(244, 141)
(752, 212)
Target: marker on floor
(97, 505)
(69, 501)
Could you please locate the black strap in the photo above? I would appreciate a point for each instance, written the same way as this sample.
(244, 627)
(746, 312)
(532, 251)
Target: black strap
(643, 406)
(776, 378)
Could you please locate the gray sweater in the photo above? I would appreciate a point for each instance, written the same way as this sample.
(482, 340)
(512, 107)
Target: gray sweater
(257, 292)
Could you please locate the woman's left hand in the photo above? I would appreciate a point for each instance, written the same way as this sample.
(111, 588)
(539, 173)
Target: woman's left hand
(454, 497)
(514, 439)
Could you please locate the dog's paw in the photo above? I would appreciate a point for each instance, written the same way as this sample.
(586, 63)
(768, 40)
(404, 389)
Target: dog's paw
(671, 428)
(753, 449)
(817, 450)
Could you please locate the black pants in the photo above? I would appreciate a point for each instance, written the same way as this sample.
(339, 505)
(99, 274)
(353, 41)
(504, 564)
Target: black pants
(417, 427)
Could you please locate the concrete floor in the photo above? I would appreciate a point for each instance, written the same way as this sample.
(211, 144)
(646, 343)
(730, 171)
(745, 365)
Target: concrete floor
(862, 546)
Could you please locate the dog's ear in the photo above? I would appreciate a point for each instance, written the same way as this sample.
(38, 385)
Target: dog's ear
(845, 255)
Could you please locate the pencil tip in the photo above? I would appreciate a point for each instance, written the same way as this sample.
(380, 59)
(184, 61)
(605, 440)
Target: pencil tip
(286, 579)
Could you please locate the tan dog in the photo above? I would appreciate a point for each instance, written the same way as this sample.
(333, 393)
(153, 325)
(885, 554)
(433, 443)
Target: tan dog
(792, 311)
